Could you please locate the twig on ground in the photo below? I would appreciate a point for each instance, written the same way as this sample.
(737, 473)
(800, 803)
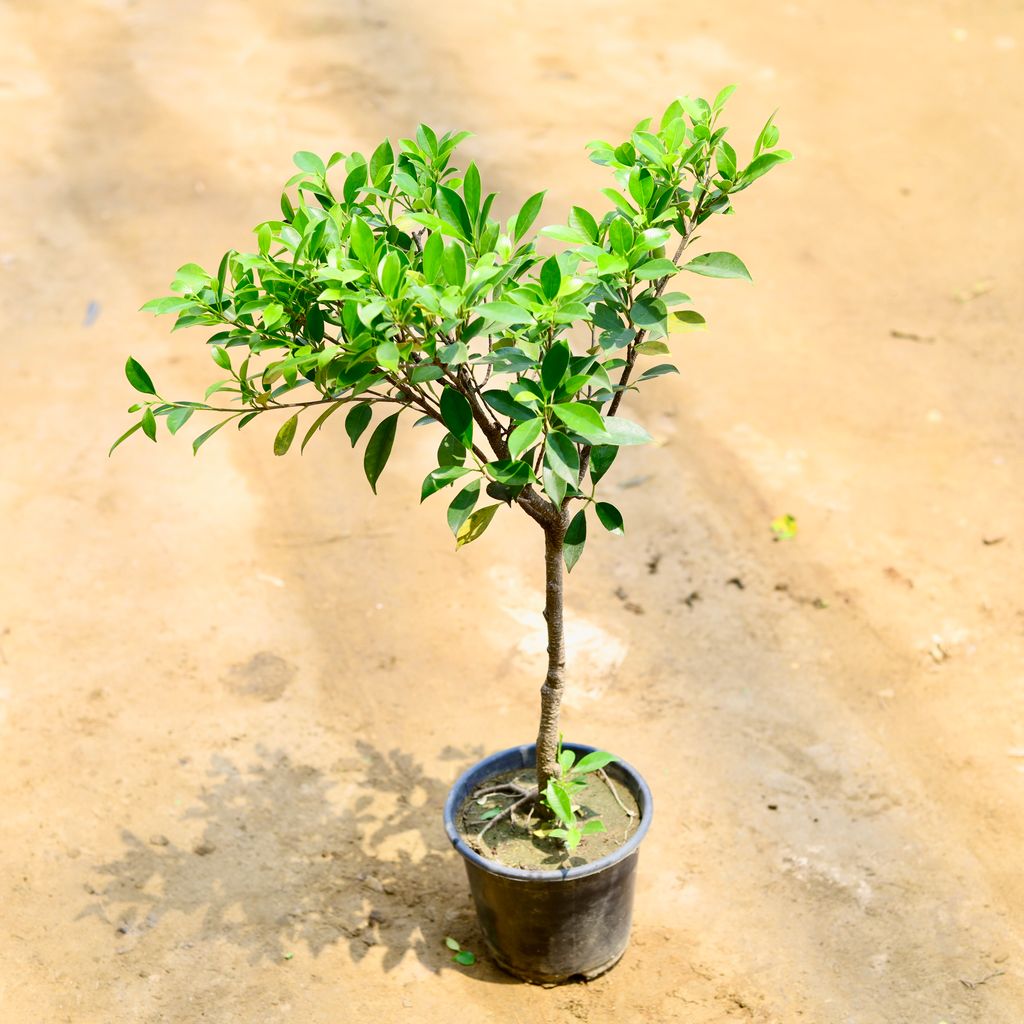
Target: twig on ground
(975, 984)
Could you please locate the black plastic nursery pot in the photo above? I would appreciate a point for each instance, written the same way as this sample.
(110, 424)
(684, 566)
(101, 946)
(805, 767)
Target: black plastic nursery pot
(552, 926)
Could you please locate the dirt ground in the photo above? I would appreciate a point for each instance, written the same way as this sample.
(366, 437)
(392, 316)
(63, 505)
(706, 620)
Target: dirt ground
(234, 690)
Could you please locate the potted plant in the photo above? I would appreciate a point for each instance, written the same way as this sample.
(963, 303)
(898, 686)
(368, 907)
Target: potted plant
(386, 287)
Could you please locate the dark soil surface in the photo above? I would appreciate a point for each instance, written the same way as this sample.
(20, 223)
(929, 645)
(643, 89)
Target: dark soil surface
(514, 842)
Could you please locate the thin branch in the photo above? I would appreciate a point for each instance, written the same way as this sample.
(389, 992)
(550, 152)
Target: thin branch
(289, 405)
(631, 352)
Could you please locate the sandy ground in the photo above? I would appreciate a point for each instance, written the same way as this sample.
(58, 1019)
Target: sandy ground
(235, 689)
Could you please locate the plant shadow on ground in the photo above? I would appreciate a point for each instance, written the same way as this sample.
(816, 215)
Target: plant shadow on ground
(289, 856)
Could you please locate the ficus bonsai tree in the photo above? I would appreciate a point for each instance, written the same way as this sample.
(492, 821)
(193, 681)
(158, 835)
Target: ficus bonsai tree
(386, 287)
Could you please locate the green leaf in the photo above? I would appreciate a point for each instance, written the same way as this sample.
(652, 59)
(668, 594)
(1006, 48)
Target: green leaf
(441, 477)
(451, 451)
(561, 457)
(575, 538)
(361, 241)
(554, 486)
(550, 278)
(653, 238)
(654, 269)
(564, 233)
(503, 313)
(648, 311)
(610, 516)
(264, 236)
(424, 373)
(471, 190)
(641, 186)
(190, 278)
(168, 304)
(433, 252)
(718, 264)
(452, 944)
(502, 402)
(465, 957)
(387, 355)
(124, 437)
(610, 263)
(726, 160)
(475, 525)
(315, 324)
(453, 264)
(462, 505)
(454, 354)
(558, 800)
(583, 221)
(355, 183)
(763, 164)
(272, 312)
(566, 759)
(457, 415)
(390, 273)
(286, 435)
(207, 434)
(378, 450)
(178, 417)
(318, 423)
(657, 371)
(594, 761)
(592, 826)
(652, 348)
(528, 214)
(583, 420)
(722, 97)
(511, 472)
(686, 319)
(524, 437)
(761, 140)
(601, 458)
(624, 432)
(357, 421)
(306, 161)
(138, 378)
(553, 368)
(620, 201)
(452, 210)
(620, 234)
(149, 423)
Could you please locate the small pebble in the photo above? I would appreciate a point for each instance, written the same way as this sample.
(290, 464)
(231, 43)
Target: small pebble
(203, 849)
(158, 840)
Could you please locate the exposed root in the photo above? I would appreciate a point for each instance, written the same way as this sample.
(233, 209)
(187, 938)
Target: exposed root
(506, 813)
(615, 793)
(505, 787)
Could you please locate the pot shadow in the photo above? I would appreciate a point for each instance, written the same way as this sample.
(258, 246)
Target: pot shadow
(283, 860)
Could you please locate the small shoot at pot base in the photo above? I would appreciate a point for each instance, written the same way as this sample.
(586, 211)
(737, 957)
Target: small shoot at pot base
(558, 797)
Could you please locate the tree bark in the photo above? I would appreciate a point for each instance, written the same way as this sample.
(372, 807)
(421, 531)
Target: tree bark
(554, 681)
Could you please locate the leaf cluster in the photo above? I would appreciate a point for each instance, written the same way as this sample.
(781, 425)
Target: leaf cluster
(387, 286)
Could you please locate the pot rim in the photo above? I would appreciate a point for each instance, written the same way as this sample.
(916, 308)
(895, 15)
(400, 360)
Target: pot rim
(526, 753)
